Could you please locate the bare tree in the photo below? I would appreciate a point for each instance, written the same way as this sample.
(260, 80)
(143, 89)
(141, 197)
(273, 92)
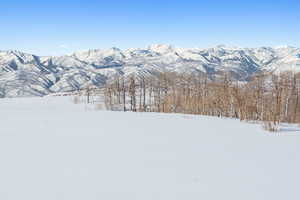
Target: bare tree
(265, 97)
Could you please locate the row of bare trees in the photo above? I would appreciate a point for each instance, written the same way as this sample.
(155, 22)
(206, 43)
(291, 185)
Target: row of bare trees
(266, 97)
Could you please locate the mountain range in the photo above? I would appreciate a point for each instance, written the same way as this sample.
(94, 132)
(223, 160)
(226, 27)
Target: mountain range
(23, 74)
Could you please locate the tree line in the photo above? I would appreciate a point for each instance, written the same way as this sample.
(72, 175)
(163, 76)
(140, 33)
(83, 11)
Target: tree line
(266, 97)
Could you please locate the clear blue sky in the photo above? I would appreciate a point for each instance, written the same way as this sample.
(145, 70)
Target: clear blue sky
(62, 26)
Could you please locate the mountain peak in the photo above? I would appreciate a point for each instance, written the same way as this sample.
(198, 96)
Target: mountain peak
(161, 48)
(284, 47)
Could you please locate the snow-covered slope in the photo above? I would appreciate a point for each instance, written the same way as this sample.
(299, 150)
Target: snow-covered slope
(53, 149)
(29, 75)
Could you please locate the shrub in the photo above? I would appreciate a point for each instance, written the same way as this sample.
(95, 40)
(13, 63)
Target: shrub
(270, 126)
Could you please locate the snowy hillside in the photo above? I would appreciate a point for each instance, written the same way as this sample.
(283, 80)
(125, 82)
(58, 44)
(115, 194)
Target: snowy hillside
(23, 74)
(52, 149)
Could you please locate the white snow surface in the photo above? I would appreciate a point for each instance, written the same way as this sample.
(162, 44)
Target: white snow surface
(52, 149)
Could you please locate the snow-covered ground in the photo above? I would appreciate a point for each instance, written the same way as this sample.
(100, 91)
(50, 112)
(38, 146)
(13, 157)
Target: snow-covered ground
(52, 149)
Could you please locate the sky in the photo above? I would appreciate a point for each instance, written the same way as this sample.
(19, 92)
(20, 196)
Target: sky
(59, 27)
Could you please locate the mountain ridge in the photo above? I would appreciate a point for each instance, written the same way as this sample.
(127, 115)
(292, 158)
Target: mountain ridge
(23, 74)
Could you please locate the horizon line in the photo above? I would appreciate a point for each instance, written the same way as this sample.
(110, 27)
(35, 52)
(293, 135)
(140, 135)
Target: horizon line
(149, 47)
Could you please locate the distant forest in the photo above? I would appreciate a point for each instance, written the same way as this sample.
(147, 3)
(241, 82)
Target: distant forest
(269, 98)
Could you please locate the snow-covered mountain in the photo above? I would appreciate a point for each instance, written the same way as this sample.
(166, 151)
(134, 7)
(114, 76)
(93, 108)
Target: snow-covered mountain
(24, 74)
